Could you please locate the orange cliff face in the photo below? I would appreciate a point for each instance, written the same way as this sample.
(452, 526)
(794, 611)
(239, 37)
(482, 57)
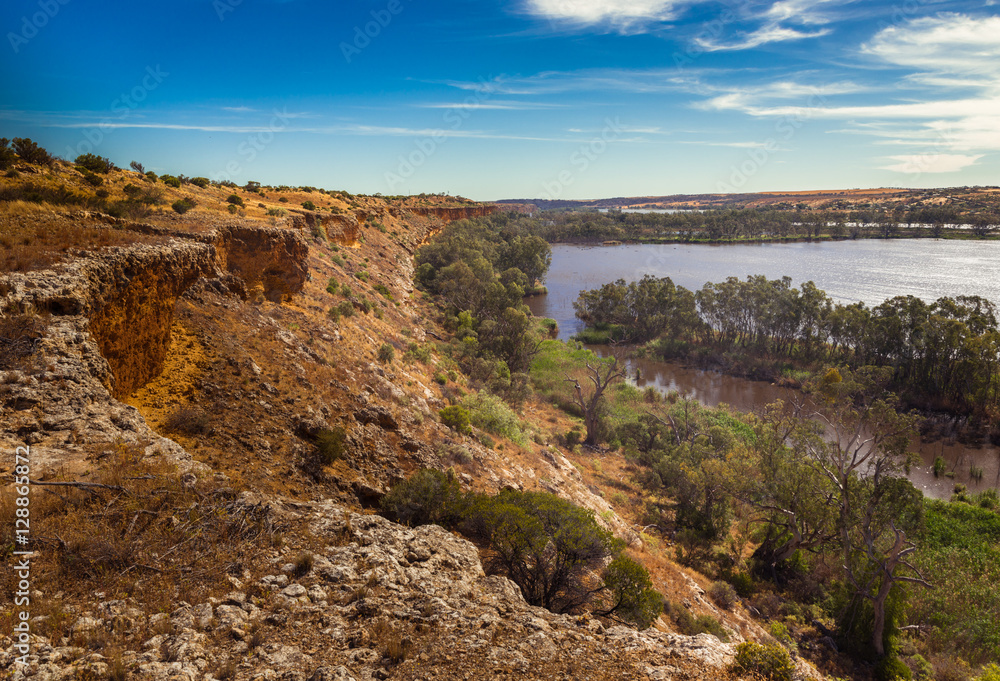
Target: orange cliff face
(459, 213)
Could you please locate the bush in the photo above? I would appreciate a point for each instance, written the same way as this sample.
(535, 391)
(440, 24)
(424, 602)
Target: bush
(171, 181)
(277, 212)
(548, 546)
(90, 177)
(768, 661)
(456, 418)
(346, 291)
(346, 308)
(492, 414)
(331, 286)
(189, 420)
(991, 672)
(330, 444)
(7, 155)
(95, 163)
(200, 182)
(236, 200)
(309, 205)
(233, 209)
(428, 496)
(31, 152)
(183, 205)
(723, 594)
(630, 593)
(386, 353)
(151, 176)
(891, 668)
(381, 288)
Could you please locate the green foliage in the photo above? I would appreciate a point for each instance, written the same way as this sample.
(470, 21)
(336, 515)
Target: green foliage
(420, 353)
(383, 289)
(277, 212)
(346, 291)
(7, 155)
(236, 200)
(95, 163)
(183, 205)
(200, 182)
(492, 414)
(428, 496)
(940, 466)
(337, 260)
(332, 286)
(233, 209)
(456, 418)
(362, 275)
(346, 307)
(959, 552)
(630, 594)
(90, 177)
(171, 181)
(151, 176)
(891, 668)
(31, 152)
(990, 672)
(548, 546)
(690, 625)
(768, 661)
(723, 594)
(386, 353)
(309, 205)
(330, 444)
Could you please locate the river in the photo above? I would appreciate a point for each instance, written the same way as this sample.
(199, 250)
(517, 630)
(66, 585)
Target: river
(866, 270)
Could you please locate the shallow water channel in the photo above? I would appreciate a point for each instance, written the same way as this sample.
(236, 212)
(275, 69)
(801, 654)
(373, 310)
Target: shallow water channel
(871, 270)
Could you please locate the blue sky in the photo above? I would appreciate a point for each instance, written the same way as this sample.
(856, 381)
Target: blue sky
(524, 99)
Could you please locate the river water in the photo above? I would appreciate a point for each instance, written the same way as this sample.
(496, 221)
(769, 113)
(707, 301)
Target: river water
(866, 270)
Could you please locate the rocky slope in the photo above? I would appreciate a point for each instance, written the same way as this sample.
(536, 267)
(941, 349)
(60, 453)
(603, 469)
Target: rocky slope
(230, 319)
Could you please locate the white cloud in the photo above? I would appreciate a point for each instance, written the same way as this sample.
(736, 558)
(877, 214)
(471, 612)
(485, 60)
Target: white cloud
(771, 33)
(931, 163)
(942, 44)
(623, 15)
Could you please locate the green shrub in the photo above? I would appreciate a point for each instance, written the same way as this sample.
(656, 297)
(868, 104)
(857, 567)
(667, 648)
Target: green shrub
(200, 182)
(366, 305)
(384, 290)
(31, 152)
(183, 205)
(386, 353)
(363, 276)
(7, 155)
(891, 668)
(95, 163)
(768, 661)
(440, 378)
(151, 176)
(283, 200)
(630, 593)
(456, 418)
(232, 209)
(415, 351)
(277, 212)
(332, 286)
(330, 444)
(991, 672)
(492, 414)
(346, 308)
(337, 260)
(90, 177)
(781, 634)
(723, 594)
(171, 181)
(428, 496)
(940, 466)
(346, 291)
(309, 205)
(236, 200)
(548, 546)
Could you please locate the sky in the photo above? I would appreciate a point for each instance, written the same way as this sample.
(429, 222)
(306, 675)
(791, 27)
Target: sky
(534, 99)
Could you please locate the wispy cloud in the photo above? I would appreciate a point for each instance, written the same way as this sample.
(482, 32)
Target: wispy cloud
(499, 106)
(619, 15)
(931, 163)
(771, 33)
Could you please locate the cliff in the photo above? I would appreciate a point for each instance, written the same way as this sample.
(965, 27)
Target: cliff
(457, 213)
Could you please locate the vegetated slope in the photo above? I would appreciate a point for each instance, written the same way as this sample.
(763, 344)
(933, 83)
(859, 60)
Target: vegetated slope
(237, 547)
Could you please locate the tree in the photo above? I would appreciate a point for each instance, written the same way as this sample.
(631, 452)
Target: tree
(6, 154)
(863, 457)
(776, 475)
(137, 167)
(31, 152)
(629, 593)
(601, 374)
